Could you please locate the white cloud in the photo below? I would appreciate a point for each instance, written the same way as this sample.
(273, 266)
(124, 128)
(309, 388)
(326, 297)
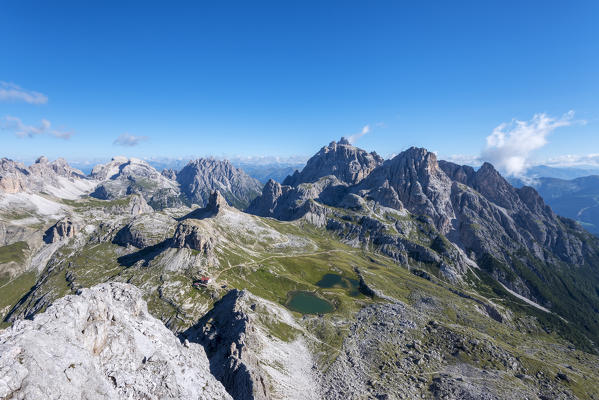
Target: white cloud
(127, 139)
(11, 92)
(15, 125)
(356, 136)
(574, 160)
(510, 145)
(464, 159)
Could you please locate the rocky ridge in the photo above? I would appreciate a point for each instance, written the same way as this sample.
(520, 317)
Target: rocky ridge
(122, 176)
(102, 344)
(55, 178)
(347, 163)
(422, 211)
(250, 362)
(201, 177)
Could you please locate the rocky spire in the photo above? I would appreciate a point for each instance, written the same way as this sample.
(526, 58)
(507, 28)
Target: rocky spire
(344, 141)
(216, 202)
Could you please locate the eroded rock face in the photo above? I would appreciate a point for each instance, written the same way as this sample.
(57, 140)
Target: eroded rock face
(146, 230)
(101, 344)
(216, 205)
(124, 176)
(249, 361)
(66, 228)
(293, 202)
(57, 178)
(201, 177)
(13, 175)
(347, 163)
(189, 235)
(136, 205)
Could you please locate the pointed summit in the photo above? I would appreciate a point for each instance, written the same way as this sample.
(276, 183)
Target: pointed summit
(199, 178)
(344, 141)
(347, 163)
(216, 202)
(215, 205)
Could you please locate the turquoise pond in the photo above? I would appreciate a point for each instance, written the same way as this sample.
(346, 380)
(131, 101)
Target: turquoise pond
(308, 303)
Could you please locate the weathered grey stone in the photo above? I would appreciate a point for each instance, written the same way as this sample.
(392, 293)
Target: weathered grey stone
(101, 344)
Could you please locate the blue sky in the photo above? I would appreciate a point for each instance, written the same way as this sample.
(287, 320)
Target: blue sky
(284, 78)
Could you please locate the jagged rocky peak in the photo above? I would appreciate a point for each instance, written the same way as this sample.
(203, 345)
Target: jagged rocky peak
(65, 228)
(190, 235)
(487, 181)
(43, 168)
(413, 180)
(102, 344)
(344, 141)
(57, 178)
(348, 163)
(13, 176)
(169, 173)
(419, 160)
(246, 358)
(216, 202)
(123, 166)
(58, 167)
(265, 204)
(42, 160)
(122, 177)
(199, 178)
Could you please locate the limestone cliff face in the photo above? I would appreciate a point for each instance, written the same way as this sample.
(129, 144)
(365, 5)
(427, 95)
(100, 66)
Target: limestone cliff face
(57, 178)
(122, 176)
(13, 176)
(146, 230)
(66, 228)
(102, 344)
(189, 235)
(347, 163)
(201, 177)
(292, 202)
(250, 362)
(413, 180)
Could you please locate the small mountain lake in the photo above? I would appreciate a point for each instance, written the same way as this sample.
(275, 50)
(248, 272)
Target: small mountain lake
(308, 303)
(329, 281)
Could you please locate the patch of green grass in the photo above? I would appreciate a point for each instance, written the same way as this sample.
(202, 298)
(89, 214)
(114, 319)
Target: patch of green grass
(281, 330)
(16, 252)
(14, 289)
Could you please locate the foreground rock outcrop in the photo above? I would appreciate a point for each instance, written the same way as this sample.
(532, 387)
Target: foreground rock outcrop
(255, 350)
(102, 344)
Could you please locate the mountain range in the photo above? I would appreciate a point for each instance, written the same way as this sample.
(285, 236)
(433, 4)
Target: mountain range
(355, 277)
(576, 198)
